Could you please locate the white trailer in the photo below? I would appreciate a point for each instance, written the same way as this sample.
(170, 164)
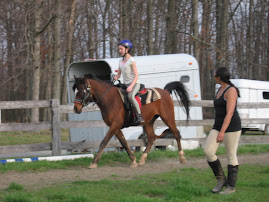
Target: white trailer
(253, 91)
(154, 71)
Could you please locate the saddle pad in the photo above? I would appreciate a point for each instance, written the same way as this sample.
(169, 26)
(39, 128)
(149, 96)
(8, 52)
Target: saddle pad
(151, 96)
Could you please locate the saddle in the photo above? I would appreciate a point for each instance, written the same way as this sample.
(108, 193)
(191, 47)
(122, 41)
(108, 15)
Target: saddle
(143, 96)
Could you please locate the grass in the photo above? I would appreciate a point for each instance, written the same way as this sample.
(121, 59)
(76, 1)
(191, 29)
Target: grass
(113, 159)
(187, 184)
(26, 137)
(44, 136)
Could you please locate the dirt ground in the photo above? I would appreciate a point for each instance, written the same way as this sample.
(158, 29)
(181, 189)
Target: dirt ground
(32, 179)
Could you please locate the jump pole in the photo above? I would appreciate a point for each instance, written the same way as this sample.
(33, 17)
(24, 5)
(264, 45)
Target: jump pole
(49, 158)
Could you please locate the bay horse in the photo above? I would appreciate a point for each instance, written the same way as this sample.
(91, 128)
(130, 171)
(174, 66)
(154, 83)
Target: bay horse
(107, 97)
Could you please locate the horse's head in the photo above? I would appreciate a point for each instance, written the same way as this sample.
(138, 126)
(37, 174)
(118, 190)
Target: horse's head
(83, 94)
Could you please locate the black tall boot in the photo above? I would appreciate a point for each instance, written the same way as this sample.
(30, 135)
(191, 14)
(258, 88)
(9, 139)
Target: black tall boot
(140, 119)
(219, 174)
(232, 178)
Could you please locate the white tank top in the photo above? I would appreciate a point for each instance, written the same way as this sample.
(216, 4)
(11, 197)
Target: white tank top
(127, 71)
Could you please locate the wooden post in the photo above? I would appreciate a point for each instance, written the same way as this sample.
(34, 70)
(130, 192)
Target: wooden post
(56, 132)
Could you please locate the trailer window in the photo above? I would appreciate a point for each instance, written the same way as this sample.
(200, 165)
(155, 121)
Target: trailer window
(265, 95)
(185, 79)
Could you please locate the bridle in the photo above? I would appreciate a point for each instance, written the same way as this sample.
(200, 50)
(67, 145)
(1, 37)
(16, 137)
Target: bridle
(86, 94)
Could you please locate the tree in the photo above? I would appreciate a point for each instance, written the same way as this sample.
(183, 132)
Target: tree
(35, 35)
(39, 39)
(171, 33)
(57, 51)
(68, 50)
(195, 27)
(150, 27)
(221, 33)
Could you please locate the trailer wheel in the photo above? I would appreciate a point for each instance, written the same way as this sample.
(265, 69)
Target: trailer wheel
(266, 129)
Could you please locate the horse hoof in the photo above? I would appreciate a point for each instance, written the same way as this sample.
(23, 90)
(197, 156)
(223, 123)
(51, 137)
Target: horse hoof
(93, 165)
(182, 160)
(141, 162)
(134, 165)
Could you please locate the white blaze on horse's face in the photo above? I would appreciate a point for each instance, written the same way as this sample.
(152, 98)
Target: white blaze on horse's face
(76, 91)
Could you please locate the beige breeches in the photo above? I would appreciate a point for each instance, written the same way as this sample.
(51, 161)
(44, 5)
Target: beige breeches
(231, 140)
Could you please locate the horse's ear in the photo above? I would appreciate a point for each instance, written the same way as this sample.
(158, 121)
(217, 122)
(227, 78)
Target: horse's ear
(88, 76)
(75, 77)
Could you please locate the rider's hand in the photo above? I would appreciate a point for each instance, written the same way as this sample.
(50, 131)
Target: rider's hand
(129, 89)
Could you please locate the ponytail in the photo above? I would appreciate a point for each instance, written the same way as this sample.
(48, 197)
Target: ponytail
(237, 90)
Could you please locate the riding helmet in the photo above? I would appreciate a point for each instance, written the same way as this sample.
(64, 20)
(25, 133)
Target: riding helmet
(126, 43)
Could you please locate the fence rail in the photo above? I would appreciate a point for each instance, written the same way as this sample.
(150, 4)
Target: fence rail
(56, 146)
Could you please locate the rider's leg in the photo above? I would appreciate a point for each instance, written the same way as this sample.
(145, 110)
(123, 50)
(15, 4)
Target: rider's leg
(131, 97)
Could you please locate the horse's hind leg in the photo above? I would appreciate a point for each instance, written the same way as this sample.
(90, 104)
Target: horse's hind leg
(172, 126)
(177, 136)
(151, 137)
(124, 143)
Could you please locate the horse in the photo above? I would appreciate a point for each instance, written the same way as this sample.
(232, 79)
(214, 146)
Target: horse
(107, 97)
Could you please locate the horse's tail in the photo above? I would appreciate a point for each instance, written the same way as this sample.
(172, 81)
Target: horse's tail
(180, 91)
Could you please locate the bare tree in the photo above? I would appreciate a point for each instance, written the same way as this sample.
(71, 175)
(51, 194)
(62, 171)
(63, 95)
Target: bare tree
(57, 51)
(250, 40)
(155, 27)
(38, 4)
(68, 49)
(221, 32)
(150, 27)
(195, 27)
(171, 32)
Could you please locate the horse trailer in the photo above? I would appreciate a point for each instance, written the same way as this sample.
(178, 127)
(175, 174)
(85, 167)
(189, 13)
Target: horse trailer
(252, 91)
(154, 71)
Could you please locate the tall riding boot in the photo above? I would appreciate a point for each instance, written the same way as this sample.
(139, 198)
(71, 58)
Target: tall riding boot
(140, 119)
(232, 178)
(219, 174)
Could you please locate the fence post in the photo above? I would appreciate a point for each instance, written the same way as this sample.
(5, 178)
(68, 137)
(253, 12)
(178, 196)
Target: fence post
(55, 125)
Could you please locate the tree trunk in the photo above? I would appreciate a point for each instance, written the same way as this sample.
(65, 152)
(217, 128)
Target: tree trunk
(150, 27)
(68, 50)
(104, 27)
(221, 32)
(205, 61)
(171, 32)
(90, 19)
(195, 28)
(250, 41)
(124, 19)
(57, 52)
(36, 58)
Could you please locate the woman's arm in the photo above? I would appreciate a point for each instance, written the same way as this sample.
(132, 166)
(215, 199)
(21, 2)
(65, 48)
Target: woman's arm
(231, 98)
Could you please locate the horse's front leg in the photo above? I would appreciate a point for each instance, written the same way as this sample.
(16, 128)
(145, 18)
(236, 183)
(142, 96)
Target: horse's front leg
(124, 143)
(103, 144)
(151, 137)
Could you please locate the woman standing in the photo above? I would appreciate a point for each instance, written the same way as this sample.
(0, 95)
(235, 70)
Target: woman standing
(226, 129)
(128, 69)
